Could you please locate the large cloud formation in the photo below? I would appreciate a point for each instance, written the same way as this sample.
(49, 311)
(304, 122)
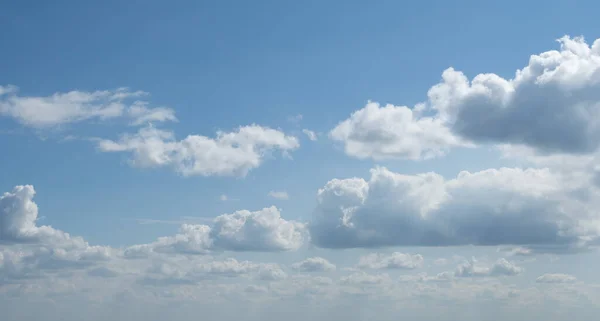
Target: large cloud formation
(510, 206)
(551, 105)
(229, 154)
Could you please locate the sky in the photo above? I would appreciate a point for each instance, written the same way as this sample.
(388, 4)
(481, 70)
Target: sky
(348, 160)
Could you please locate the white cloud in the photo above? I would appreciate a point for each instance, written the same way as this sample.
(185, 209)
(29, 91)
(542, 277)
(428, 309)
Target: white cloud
(229, 154)
(310, 134)
(281, 195)
(502, 267)
(28, 250)
(18, 218)
(507, 206)
(551, 105)
(556, 278)
(314, 264)
(77, 106)
(393, 132)
(260, 231)
(363, 278)
(190, 272)
(141, 114)
(263, 230)
(395, 260)
(223, 198)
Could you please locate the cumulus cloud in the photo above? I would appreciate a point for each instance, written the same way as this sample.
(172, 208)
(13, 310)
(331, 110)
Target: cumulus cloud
(502, 267)
(261, 231)
(229, 154)
(314, 264)
(18, 222)
(310, 134)
(509, 206)
(281, 195)
(556, 278)
(77, 106)
(393, 132)
(28, 250)
(395, 260)
(551, 105)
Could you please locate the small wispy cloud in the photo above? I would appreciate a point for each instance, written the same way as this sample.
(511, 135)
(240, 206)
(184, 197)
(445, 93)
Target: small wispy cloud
(282, 195)
(295, 118)
(311, 135)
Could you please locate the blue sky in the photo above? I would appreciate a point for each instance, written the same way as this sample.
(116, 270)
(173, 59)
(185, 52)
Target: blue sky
(263, 74)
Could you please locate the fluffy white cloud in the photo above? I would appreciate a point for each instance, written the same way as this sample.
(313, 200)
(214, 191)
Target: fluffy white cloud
(233, 153)
(310, 134)
(393, 132)
(395, 260)
(281, 195)
(556, 278)
(28, 250)
(532, 207)
(77, 106)
(551, 105)
(261, 231)
(314, 264)
(502, 267)
(18, 218)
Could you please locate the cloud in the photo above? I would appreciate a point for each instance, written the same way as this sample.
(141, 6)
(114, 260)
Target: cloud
(77, 106)
(393, 132)
(395, 260)
(556, 278)
(310, 134)
(28, 250)
(263, 230)
(362, 278)
(18, 218)
(229, 154)
(314, 264)
(502, 267)
(296, 118)
(259, 231)
(507, 206)
(223, 198)
(170, 273)
(281, 195)
(551, 105)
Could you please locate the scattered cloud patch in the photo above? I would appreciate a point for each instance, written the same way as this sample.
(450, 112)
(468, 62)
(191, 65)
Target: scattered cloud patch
(260, 231)
(502, 267)
(280, 195)
(556, 278)
(77, 106)
(395, 260)
(314, 264)
(310, 134)
(228, 154)
(296, 118)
